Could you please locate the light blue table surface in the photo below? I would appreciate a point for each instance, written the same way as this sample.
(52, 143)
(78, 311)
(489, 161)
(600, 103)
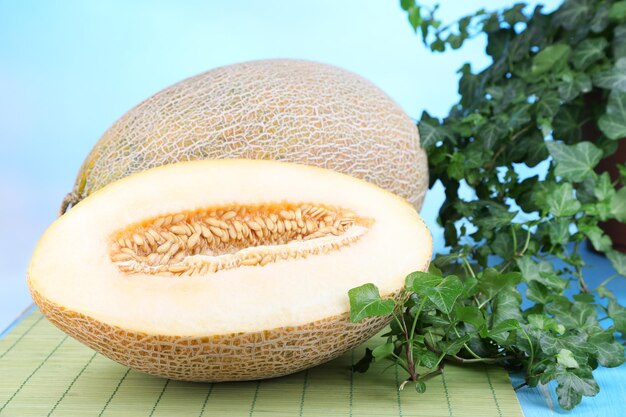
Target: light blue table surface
(542, 401)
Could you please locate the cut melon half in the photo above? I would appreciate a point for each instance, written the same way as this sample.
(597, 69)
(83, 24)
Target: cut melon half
(225, 270)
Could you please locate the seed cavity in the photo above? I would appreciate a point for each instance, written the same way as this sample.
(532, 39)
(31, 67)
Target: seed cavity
(215, 239)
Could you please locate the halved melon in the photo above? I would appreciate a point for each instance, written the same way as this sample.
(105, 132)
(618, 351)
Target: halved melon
(225, 270)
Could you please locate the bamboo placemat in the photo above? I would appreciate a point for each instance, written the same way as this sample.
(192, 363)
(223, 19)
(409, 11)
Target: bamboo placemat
(43, 372)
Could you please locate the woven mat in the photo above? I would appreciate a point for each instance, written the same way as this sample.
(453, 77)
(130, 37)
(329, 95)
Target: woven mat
(43, 372)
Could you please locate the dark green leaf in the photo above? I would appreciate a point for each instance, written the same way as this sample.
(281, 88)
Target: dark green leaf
(443, 295)
(567, 123)
(470, 314)
(619, 42)
(562, 202)
(572, 85)
(365, 302)
(538, 292)
(613, 122)
(427, 358)
(548, 104)
(418, 280)
(420, 387)
(554, 56)
(603, 188)
(572, 13)
(453, 347)
(506, 306)
(431, 133)
(610, 352)
(491, 282)
(574, 162)
(558, 230)
(618, 11)
(618, 205)
(504, 326)
(588, 52)
(614, 78)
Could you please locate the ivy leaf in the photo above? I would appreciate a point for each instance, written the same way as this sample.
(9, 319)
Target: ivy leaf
(407, 4)
(574, 162)
(490, 134)
(506, 306)
(383, 351)
(419, 280)
(619, 42)
(443, 295)
(470, 314)
(614, 78)
(566, 358)
(574, 84)
(613, 122)
(515, 14)
(558, 230)
(618, 260)
(618, 314)
(603, 188)
(554, 56)
(567, 123)
(429, 134)
(573, 384)
(610, 352)
(538, 292)
(415, 18)
(542, 322)
(420, 387)
(588, 52)
(618, 205)
(453, 347)
(365, 302)
(504, 326)
(571, 13)
(491, 282)
(426, 357)
(618, 11)
(548, 104)
(562, 201)
(598, 239)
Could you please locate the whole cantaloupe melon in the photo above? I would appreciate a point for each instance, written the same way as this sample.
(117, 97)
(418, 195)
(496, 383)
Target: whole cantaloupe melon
(288, 110)
(225, 270)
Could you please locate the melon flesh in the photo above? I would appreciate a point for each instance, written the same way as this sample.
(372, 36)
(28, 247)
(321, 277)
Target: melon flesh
(287, 110)
(189, 271)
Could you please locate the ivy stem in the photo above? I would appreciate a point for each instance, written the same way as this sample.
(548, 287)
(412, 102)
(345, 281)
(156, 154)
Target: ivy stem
(609, 279)
(468, 267)
(409, 339)
(458, 359)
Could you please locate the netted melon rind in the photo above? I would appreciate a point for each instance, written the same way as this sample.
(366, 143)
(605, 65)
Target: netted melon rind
(231, 357)
(289, 110)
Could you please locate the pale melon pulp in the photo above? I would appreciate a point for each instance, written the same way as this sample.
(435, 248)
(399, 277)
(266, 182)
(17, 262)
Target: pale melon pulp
(225, 270)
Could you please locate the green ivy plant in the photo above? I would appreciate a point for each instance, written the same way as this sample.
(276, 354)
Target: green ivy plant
(552, 76)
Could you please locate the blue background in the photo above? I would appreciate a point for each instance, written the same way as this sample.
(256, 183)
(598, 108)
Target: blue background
(69, 69)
